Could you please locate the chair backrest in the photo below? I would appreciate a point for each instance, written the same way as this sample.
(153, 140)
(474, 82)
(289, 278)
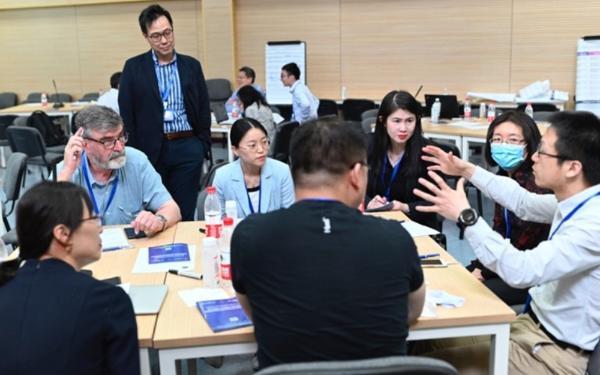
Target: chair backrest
(52, 134)
(15, 170)
(5, 122)
(90, 96)
(34, 97)
(367, 125)
(205, 182)
(61, 97)
(27, 140)
(386, 365)
(370, 113)
(275, 109)
(593, 367)
(219, 89)
(327, 107)
(543, 107)
(8, 99)
(353, 108)
(281, 146)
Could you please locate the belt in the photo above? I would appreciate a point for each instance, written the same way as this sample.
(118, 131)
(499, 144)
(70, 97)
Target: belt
(562, 344)
(178, 135)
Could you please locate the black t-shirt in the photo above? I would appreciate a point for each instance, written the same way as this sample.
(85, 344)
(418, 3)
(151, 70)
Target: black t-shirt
(325, 282)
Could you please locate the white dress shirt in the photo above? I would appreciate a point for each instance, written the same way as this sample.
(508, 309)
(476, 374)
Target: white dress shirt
(564, 271)
(304, 103)
(110, 99)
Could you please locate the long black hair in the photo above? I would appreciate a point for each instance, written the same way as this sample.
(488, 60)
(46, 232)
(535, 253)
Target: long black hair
(249, 95)
(39, 211)
(241, 127)
(393, 101)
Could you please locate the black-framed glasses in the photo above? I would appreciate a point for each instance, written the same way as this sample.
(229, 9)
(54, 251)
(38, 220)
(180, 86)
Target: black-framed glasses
(511, 141)
(110, 143)
(156, 37)
(555, 156)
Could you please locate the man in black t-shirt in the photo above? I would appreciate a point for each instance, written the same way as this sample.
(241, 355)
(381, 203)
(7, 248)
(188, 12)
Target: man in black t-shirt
(320, 280)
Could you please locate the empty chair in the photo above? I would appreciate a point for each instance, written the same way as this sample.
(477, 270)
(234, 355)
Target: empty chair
(386, 365)
(61, 97)
(8, 99)
(34, 97)
(281, 146)
(327, 107)
(352, 109)
(29, 141)
(89, 97)
(219, 89)
(370, 113)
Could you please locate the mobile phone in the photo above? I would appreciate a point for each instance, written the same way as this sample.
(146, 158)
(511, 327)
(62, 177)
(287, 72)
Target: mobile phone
(386, 207)
(130, 233)
(434, 262)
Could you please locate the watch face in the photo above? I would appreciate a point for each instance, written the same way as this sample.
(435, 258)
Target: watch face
(468, 216)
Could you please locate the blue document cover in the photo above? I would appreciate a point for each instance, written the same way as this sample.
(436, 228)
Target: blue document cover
(177, 252)
(223, 314)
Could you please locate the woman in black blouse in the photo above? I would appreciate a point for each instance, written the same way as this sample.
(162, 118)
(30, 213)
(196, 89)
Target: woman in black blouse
(395, 162)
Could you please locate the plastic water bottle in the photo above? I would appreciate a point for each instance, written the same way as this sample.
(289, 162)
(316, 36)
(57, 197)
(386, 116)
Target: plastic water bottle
(225, 252)
(231, 210)
(529, 110)
(482, 110)
(467, 110)
(491, 114)
(44, 99)
(436, 108)
(210, 262)
(344, 93)
(212, 213)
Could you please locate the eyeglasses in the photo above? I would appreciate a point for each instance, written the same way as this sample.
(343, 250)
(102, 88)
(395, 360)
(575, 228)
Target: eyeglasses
(555, 156)
(157, 37)
(97, 218)
(510, 141)
(110, 143)
(253, 146)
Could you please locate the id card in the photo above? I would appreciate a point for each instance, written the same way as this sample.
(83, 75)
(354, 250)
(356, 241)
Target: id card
(169, 116)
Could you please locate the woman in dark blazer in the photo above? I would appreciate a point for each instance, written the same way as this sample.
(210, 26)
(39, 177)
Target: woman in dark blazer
(54, 319)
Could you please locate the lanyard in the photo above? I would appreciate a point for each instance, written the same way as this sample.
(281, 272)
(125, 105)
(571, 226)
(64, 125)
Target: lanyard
(250, 200)
(507, 224)
(164, 94)
(91, 191)
(392, 177)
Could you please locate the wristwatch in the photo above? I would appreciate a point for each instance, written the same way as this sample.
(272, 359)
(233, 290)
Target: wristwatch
(467, 217)
(163, 220)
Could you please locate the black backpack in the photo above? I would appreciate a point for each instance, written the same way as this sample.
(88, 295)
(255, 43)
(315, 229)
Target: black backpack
(52, 134)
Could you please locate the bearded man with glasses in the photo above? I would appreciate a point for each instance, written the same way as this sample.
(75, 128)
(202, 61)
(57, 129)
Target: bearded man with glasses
(122, 184)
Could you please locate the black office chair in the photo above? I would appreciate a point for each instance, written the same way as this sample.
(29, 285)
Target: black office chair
(352, 109)
(29, 141)
(61, 97)
(34, 97)
(386, 365)
(541, 107)
(593, 367)
(281, 146)
(89, 97)
(13, 179)
(369, 113)
(8, 99)
(219, 89)
(327, 107)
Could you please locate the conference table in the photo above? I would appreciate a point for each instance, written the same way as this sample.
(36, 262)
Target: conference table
(26, 109)
(181, 332)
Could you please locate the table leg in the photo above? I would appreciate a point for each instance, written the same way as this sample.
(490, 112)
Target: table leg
(144, 361)
(499, 349)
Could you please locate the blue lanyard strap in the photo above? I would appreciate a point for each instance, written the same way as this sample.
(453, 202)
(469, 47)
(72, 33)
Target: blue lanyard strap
(570, 214)
(91, 191)
(395, 171)
(507, 224)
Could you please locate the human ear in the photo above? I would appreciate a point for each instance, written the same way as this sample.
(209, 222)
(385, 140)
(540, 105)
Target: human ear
(61, 234)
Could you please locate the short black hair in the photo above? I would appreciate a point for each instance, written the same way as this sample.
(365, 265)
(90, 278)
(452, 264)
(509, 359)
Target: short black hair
(531, 134)
(578, 138)
(249, 72)
(292, 68)
(150, 14)
(115, 79)
(241, 127)
(249, 95)
(327, 146)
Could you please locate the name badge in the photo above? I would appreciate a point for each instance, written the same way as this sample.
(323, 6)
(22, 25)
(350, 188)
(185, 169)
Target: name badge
(169, 115)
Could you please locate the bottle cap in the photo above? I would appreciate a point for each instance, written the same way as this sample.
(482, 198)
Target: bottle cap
(227, 220)
(211, 190)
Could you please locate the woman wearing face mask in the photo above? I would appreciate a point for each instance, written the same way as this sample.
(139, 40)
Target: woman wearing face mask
(512, 139)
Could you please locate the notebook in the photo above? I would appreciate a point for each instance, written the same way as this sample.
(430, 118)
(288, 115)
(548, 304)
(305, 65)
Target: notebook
(147, 299)
(223, 314)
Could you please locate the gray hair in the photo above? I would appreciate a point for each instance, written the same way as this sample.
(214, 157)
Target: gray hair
(98, 118)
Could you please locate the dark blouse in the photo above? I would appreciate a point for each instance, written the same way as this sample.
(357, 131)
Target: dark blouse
(524, 235)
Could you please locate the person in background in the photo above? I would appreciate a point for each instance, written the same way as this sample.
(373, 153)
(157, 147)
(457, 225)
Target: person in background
(255, 106)
(56, 320)
(304, 103)
(512, 139)
(122, 184)
(395, 162)
(256, 182)
(165, 108)
(245, 77)
(110, 98)
(320, 280)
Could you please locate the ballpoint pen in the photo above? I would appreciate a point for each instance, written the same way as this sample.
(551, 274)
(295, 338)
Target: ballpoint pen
(431, 255)
(189, 274)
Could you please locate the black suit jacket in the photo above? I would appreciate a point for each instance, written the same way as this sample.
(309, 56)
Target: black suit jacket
(142, 109)
(55, 320)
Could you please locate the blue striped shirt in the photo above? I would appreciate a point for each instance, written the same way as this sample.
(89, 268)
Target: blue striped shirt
(169, 86)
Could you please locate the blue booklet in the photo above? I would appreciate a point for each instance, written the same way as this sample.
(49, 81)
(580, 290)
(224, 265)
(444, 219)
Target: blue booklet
(177, 252)
(223, 314)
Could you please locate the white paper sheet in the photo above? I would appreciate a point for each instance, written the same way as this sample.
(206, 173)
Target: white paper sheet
(468, 125)
(417, 230)
(114, 239)
(495, 96)
(191, 296)
(141, 264)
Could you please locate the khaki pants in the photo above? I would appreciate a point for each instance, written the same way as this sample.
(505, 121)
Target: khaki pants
(531, 352)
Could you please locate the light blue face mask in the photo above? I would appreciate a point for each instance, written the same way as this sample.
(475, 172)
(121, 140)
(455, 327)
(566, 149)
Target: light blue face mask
(507, 156)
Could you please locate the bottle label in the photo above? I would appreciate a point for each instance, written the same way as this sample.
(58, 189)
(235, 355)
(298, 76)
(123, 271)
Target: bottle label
(225, 271)
(213, 230)
(467, 113)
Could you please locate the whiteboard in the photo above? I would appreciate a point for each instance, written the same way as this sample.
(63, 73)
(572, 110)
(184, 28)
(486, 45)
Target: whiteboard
(588, 69)
(277, 54)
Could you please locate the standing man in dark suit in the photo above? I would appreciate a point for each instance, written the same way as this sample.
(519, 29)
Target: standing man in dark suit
(165, 108)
